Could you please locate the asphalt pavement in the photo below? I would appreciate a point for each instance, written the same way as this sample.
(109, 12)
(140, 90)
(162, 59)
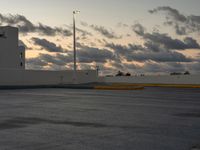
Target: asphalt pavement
(75, 119)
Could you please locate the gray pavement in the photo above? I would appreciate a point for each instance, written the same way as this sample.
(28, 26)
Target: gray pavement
(64, 119)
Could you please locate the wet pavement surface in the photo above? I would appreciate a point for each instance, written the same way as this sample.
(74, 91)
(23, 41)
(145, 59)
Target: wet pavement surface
(64, 119)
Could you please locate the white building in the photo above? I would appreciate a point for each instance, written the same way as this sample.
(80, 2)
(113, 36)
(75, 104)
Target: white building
(13, 72)
(11, 56)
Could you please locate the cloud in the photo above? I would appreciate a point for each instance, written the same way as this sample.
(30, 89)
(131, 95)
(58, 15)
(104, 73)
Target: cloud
(47, 60)
(148, 52)
(169, 43)
(105, 32)
(49, 31)
(83, 32)
(180, 30)
(26, 26)
(85, 55)
(35, 63)
(138, 29)
(191, 43)
(47, 45)
(164, 40)
(122, 49)
(58, 59)
(151, 46)
(183, 24)
(153, 62)
(83, 23)
(102, 30)
(88, 54)
(161, 56)
(175, 14)
(122, 25)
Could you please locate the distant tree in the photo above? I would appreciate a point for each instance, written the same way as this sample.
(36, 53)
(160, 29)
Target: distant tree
(187, 73)
(128, 74)
(109, 75)
(120, 74)
(175, 73)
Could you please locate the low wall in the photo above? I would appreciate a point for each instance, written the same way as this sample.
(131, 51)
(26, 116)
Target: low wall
(32, 78)
(176, 79)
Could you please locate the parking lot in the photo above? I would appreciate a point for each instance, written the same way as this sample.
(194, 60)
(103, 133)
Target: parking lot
(70, 119)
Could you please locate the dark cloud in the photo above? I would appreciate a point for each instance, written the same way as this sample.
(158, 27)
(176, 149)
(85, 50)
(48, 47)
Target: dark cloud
(183, 24)
(191, 43)
(47, 60)
(170, 43)
(153, 62)
(175, 14)
(88, 54)
(25, 26)
(155, 47)
(122, 49)
(105, 32)
(164, 40)
(138, 29)
(180, 30)
(161, 56)
(58, 59)
(85, 55)
(151, 51)
(47, 45)
(102, 30)
(83, 32)
(49, 31)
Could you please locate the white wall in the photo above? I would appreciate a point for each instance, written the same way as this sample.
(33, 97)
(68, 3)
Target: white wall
(31, 77)
(180, 79)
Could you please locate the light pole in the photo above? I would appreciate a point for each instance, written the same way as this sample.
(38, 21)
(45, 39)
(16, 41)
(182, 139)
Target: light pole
(74, 38)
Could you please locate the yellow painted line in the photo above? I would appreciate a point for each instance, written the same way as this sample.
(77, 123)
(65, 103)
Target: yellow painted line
(158, 85)
(118, 88)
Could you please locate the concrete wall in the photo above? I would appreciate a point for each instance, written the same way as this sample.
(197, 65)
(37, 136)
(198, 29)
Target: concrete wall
(32, 78)
(180, 79)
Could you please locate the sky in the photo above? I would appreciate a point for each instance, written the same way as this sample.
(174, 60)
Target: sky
(135, 36)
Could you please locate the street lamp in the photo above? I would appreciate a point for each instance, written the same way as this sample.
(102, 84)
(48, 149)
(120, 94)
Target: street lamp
(74, 38)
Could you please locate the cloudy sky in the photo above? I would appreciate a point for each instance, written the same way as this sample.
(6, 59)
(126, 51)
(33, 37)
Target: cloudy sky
(136, 36)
